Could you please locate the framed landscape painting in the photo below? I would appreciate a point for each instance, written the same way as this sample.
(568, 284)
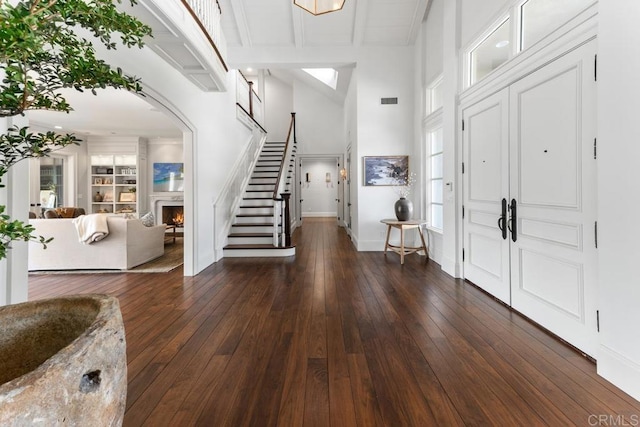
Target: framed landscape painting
(168, 177)
(385, 170)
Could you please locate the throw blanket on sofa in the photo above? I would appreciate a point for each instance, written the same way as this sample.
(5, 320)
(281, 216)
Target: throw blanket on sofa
(91, 228)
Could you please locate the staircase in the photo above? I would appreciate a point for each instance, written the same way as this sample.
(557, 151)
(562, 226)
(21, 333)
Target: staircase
(252, 233)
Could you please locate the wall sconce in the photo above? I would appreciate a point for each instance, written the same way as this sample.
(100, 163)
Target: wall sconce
(343, 174)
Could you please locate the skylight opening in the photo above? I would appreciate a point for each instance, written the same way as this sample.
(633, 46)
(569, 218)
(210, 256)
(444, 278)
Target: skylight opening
(328, 76)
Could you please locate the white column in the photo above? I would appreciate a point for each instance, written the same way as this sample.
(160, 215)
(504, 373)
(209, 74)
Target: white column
(15, 197)
(451, 261)
(618, 195)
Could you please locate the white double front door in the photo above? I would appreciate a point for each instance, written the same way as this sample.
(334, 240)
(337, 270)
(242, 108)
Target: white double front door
(530, 196)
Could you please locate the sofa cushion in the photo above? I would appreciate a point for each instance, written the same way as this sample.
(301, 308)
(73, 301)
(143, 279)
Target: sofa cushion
(148, 220)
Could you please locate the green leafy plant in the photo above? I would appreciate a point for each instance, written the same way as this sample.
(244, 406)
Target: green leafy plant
(43, 51)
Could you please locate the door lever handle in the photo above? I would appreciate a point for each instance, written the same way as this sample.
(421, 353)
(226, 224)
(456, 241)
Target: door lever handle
(502, 221)
(513, 220)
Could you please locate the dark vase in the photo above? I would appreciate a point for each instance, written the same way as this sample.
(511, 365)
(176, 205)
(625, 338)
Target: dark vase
(97, 197)
(404, 209)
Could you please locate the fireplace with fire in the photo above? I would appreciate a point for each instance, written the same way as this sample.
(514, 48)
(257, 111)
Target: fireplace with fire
(173, 215)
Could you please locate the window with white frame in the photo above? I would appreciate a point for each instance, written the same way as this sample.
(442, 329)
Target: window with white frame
(537, 18)
(490, 52)
(434, 161)
(533, 20)
(433, 96)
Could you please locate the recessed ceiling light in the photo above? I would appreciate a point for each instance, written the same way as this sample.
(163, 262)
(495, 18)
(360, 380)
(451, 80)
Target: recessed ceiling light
(58, 127)
(502, 43)
(249, 70)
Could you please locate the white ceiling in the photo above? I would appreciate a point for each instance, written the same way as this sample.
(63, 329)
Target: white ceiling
(109, 113)
(279, 23)
(261, 30)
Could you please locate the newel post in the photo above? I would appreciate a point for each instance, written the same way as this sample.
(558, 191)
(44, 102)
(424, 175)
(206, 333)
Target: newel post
(287, 219)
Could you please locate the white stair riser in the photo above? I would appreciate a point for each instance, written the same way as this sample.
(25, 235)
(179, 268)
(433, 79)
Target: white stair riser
(250, 240)
(252, 220)
(255, 211)
(261, 194)
(261, 188)
(258, 253)
(260, 202)
(254, 229)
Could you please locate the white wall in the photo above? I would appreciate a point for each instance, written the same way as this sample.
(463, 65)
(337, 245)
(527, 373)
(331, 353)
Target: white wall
(319, 121)
(477, 15)
(278, 101)
(382, 130)
(432, 29)
(319, 195)
(618, 195)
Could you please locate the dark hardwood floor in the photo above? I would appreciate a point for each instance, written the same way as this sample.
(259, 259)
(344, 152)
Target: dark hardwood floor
(341, 338)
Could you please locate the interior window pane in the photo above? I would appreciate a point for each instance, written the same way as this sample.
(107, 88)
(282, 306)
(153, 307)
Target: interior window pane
(436, 191)
(51, 181)
(436, 216)
(436, 96)
(436, 166)
(541, 17)
(436, 141)
(490, 53)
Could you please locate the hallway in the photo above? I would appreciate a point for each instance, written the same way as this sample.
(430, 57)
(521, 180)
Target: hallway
(338, 337)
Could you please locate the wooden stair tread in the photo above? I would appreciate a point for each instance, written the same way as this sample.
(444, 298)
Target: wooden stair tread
(257, 224)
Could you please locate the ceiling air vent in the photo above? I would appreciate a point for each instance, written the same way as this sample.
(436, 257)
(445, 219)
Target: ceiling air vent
(385, 101)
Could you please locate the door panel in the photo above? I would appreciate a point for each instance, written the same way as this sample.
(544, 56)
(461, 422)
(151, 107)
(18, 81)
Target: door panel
(553, 180)
(552, 281)
(548, 136)
(486, 182)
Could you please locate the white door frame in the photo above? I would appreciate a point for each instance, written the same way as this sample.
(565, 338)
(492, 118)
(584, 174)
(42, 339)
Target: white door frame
(339, 159)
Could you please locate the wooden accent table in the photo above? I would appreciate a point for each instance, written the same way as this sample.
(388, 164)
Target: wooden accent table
(402, 226)
(171, 227)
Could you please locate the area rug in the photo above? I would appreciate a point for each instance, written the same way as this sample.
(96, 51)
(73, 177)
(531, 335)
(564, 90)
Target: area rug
(173, 258)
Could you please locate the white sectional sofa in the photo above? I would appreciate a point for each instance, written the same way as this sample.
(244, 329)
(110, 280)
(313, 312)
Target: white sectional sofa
(128, 244)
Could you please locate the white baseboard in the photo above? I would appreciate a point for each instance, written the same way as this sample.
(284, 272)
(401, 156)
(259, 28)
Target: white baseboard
(319, 214)
(451, 267)
(621, 371)
(370, 245)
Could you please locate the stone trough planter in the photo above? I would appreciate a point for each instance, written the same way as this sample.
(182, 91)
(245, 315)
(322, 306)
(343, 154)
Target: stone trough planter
(63, 362)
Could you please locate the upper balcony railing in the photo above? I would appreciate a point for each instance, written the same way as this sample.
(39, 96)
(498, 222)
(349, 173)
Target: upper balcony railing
(207, 14)
(248, 99)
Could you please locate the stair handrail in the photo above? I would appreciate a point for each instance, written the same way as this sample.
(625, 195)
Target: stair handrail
(288, 149)
(281, 198)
